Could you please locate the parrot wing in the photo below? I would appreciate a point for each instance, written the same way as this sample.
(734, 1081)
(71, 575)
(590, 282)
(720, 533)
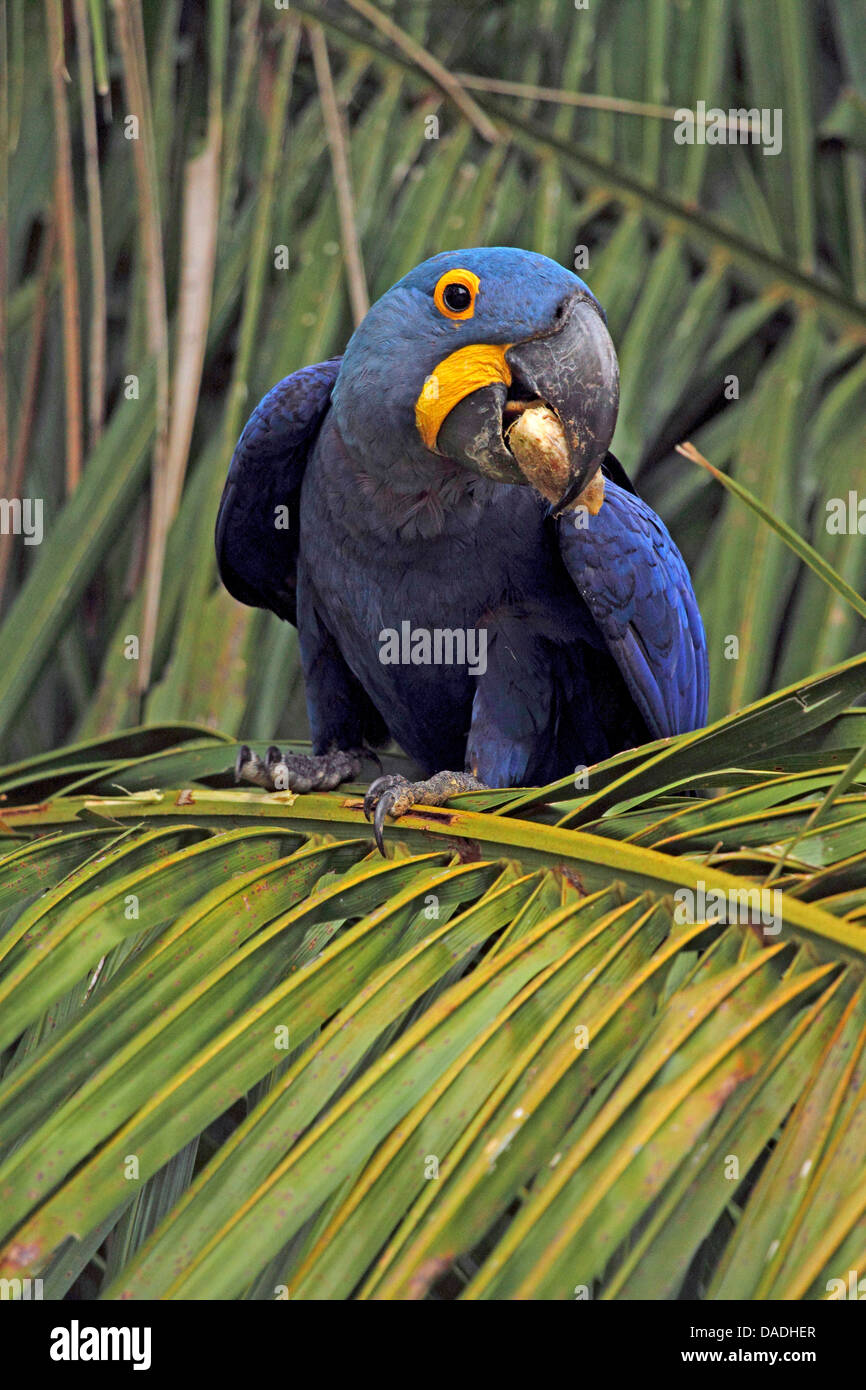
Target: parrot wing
(635, 583)
(257, 547)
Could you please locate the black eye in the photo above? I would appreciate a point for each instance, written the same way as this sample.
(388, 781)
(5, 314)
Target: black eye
(456, 298)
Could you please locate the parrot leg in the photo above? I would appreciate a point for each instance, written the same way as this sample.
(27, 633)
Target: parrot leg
(394, 795)
(298, 772)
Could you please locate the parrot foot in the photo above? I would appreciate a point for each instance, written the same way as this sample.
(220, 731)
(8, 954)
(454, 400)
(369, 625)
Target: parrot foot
(299, 772)
(395, 795)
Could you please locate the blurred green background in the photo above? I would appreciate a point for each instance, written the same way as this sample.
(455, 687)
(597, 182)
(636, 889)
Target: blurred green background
(196, 199)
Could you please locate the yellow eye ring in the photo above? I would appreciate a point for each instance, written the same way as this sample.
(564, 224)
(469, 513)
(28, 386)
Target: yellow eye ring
(463, 280)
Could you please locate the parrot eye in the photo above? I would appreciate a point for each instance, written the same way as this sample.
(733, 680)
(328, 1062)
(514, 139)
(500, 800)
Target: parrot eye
(455, 293)
(456, 297)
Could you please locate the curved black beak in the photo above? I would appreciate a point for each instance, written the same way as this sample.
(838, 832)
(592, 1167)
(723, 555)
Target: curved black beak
(575, 372)
(473, 432)
(573, 369)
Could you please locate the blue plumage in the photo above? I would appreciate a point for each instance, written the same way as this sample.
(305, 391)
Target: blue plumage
(593, 637)
(635, 583)
(257, 558)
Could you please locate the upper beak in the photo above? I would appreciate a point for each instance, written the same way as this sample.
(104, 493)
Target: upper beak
(573, 369)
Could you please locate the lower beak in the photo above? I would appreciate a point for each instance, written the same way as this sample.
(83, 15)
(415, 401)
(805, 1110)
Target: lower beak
(574, 372)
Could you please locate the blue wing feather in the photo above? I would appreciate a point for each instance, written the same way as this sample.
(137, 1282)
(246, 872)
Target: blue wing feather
(257, 560)
(635, 583)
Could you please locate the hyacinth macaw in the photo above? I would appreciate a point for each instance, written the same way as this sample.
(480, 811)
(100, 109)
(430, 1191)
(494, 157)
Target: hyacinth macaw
(375, 494)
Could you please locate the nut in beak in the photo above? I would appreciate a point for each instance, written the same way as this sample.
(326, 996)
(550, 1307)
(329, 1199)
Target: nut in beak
(538, 442)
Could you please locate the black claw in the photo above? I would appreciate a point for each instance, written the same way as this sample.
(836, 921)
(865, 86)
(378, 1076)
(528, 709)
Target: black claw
(385, 802)
(243, 757)
(378, 803)
(373, 793)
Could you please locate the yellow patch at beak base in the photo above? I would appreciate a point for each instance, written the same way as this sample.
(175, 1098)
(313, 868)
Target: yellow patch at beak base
(456, 376)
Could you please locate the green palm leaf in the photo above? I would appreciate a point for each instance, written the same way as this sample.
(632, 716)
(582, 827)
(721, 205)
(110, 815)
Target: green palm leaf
(502, 1061)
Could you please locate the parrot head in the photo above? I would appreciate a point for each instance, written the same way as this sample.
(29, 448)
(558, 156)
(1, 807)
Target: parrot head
(446, 360)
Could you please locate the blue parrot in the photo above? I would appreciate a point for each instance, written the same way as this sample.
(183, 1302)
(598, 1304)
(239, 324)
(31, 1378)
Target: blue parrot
(444, 595)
